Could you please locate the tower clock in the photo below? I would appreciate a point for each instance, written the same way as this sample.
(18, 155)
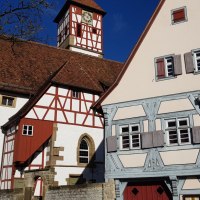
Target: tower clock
(80, 27)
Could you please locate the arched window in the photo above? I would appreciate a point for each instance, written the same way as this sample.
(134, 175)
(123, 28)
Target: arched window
(83, 152)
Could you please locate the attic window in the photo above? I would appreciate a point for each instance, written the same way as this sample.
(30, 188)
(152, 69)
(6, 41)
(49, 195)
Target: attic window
(75, 94)
(27, 130)
(8, 101)
(179, 15)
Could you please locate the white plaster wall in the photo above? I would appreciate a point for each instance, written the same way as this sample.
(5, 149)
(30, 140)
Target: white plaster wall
(180, 157)
(68, 137)
(62, 173)
(196, 119)
(175, 106)
(84, 51)
(5, 114)
(191, 184)
(162, 39)
(129, 112)
(136, 160)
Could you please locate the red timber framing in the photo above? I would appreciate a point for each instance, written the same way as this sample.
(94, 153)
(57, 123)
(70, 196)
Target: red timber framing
(91, 36)
(7, 167)
(74, 111)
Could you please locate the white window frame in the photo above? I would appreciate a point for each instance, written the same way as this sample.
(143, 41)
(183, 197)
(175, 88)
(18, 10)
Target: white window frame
(84, 150)
(167, 76)
(130, 134)
(27, 130)
(195, 58)
(178, 129)
(167, 66)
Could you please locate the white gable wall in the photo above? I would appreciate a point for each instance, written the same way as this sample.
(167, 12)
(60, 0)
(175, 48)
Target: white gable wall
(162, 39)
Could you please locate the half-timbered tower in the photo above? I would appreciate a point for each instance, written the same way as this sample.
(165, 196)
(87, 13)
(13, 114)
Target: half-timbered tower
(153, 130)
(55, 138)
(80, 27)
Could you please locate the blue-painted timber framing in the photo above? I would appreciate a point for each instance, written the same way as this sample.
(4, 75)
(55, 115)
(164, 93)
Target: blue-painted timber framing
(173, 175)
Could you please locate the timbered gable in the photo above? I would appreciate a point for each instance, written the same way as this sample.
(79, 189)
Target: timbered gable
(60, 106)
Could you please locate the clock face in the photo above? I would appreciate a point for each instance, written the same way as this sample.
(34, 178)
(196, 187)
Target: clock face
(87, 17)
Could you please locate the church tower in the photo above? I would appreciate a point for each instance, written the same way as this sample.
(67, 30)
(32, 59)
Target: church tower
(80, 27)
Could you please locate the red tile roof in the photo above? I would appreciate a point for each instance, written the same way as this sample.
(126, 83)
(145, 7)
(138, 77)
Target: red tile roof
(24, 67)
(85, 4)
(89, 3)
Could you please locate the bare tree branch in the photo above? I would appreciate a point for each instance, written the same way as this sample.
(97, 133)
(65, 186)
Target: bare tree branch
(22, 18)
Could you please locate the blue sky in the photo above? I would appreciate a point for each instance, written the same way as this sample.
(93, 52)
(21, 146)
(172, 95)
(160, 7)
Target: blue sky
(123, 24)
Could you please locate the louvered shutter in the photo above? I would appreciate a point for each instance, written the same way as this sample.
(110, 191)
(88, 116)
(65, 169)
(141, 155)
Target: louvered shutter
(147, 140)
(196, 134)
(158, 139)
(177, 65)
(160, 64)
(179, 15)
(189, 64)
(111, 144)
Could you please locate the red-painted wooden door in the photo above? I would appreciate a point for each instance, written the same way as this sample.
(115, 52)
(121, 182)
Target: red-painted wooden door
(146, 192)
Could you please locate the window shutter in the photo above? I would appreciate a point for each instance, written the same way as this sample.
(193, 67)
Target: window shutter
(147, 140)
(111, 144)
(160, 68)
(179, 15)
(158, 139)
(177, 65)
(189, 65)
(196, 134)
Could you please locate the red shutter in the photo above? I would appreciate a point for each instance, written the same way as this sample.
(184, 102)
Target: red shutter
(160, 68)
(179, 15)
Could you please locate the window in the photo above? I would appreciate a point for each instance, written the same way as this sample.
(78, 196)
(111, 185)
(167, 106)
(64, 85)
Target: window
(83, 152)
(130, 136)
(196, 57)
(8, 101)
(94, 30)
(179, 15)
(79, 30)
(75, 94)
(178, 131)
(165, 67)
(27, 130)
(191, 197)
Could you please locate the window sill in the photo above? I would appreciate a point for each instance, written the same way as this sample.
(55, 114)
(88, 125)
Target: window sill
(166, 78)
(196, 72)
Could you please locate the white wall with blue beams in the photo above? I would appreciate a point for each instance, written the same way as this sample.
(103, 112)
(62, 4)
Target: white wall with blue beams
(173, 164)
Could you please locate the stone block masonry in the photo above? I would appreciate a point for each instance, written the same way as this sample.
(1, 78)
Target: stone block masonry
(95, 191)
(16, 194)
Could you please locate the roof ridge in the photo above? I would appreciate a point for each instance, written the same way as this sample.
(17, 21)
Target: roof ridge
(61, 49)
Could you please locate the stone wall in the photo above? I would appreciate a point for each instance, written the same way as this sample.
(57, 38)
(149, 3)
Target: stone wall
(11, 194)
(93, 191)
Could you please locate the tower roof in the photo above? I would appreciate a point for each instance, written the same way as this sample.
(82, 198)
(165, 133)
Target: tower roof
(88, 4)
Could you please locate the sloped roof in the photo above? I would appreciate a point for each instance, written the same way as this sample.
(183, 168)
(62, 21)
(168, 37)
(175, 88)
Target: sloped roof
(88, 4)
(24, 67)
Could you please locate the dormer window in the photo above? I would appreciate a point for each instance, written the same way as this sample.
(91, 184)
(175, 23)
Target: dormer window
(8, 101)
(179, 15)
(27, 130)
